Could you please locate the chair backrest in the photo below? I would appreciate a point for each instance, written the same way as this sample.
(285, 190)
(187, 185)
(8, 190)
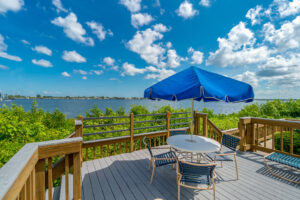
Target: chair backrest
(178, 132)
(196, 169)
(230, 141)
(147, 143)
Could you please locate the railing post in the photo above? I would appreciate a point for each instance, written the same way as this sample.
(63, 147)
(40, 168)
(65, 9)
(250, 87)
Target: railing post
(205, 130)
(131, 131)
(168, 116)
(195, 122)
(246, 132)
(76, 176)
(79, 127)
(40, 180)
(242, 129)
(79, 133)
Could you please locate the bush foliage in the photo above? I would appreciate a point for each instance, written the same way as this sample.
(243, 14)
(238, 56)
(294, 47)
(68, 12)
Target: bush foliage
(18, 127)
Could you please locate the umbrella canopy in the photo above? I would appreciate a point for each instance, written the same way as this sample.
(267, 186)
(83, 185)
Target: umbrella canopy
(198, 84)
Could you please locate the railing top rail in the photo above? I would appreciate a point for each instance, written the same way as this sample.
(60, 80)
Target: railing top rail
(10, 172)
(105, 117)
(14, 167)
(274, 122)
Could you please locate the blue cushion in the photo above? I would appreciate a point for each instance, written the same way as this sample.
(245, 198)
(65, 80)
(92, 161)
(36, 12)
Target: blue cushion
(178, 132)
(195, 174)
(285, 159)
(169, 154)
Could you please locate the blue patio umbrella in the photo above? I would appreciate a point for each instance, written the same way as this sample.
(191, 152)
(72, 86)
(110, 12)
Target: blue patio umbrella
(197, 84)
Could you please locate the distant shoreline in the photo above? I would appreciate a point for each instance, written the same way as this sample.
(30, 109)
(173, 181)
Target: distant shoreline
(20, 97)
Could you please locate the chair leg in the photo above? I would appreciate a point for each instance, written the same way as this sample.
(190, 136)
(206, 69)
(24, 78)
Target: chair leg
(221, 164)
(236, 168)
(153, 169)
(178, 191)
(150, 161)
(214, 190)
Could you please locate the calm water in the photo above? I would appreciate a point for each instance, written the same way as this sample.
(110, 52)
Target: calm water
(73, 108)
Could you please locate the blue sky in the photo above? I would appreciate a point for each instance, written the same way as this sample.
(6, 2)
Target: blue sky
(120, 47)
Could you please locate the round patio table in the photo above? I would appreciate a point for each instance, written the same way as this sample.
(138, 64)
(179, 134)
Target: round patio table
(193, 143)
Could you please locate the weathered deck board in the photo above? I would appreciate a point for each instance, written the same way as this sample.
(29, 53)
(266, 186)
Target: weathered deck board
(126, 176)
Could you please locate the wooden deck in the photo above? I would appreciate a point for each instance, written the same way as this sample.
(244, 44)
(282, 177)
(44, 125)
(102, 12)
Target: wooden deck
(125, 176)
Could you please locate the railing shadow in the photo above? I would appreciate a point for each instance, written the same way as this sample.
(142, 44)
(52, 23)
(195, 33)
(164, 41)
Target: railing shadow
(134, 177)
(277, 168)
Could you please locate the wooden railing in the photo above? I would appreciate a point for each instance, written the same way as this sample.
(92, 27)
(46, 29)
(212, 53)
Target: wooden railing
(30, 171)
(260, 134)
(130, 138)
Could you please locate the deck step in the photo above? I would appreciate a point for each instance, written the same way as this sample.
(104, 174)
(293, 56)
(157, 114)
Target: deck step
(63, 187)
(55, 193)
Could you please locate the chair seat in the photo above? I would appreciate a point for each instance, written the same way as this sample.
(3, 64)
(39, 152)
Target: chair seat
(167, 156)
(285, 159)
(220, 158)
(195, 178)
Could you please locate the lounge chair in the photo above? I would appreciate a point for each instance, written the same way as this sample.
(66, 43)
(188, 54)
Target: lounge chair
(287, 160)
(191, 175)
(159, 159)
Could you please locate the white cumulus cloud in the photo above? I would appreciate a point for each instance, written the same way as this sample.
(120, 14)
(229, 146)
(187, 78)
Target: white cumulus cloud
(97, 72)
(10, 5)
(65, 74)
(197, 56)
(140, 19)
(248, 77)
(43, 50)
(80, 71)
(3, 54)
(42, 62)
(59, 6)
(173, 58)
(73, 56)
(205, 3)
(238, 49)
(287, 8)
(143, 43)
(286, 37)
(159, 74)
(131, 70)
(186, 10)
(4, 67)
(73, 29)
(254, 15)
(99, 30)
(132, 5)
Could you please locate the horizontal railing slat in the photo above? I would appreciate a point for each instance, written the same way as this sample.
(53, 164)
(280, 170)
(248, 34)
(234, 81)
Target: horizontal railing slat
(102, 125)
(180, 118)
(105, 117)
(104, 132)
(139, 128)
(149, 121)
(183, 123)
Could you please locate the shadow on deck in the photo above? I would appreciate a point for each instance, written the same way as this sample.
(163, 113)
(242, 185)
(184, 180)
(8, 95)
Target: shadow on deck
(125, 176)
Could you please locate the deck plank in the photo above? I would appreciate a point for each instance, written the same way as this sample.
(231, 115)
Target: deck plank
(119, 180)
(133, 186)
(126, 176)
(96, 187)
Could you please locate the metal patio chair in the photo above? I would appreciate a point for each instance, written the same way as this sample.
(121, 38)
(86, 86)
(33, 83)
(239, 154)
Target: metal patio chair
(191, 175)
(159, 159)
(230, 143)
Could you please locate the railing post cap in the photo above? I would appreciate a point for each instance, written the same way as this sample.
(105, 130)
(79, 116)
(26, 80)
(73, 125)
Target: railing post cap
(78, 122)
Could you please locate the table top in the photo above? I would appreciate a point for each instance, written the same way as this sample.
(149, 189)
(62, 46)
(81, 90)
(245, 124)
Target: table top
(193, 143)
